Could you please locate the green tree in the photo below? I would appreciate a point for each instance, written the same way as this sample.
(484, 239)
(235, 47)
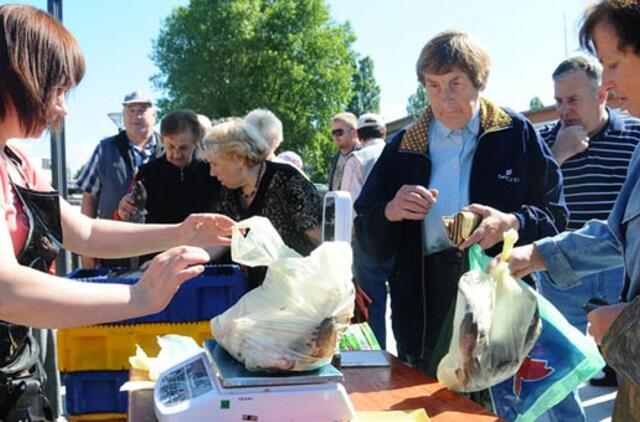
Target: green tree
(366, 91)
(417, 102)
(536, 103)
(225, 57)
(77, 174)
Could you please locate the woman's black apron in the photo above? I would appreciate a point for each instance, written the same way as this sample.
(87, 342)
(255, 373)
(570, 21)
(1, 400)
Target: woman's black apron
(22, 376)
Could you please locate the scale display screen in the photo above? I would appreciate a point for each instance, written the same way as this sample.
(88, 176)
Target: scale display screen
(185, 383)
(329, 223)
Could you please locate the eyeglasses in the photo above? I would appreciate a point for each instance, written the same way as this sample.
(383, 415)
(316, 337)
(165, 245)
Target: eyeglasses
(337, 132)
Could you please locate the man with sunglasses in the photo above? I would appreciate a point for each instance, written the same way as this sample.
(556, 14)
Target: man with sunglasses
(345, 135)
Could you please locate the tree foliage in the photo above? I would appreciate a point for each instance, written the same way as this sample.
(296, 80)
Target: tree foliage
(536, 103)
(366, 91)
(226, 57)
(417, 102)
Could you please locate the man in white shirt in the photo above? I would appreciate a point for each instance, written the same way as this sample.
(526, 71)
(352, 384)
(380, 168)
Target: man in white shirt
(371, 132)
(345, 136)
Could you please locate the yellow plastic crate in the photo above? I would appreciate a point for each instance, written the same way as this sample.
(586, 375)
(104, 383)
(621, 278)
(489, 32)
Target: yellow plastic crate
(102, 417)
(108, 347)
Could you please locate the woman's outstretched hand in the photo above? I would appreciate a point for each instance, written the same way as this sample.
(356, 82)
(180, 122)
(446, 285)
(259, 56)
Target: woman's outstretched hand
(164, 275)
(206, 230)
(523, 260)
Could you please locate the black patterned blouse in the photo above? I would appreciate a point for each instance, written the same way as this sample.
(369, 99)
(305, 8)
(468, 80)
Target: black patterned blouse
(286, 198)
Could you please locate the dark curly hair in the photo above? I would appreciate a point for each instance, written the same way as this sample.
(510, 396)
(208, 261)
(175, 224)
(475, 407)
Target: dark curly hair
(622, 15)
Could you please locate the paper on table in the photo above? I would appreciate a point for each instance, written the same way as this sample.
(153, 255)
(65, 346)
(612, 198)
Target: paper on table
(137, 385)
(418, 415)
(362, 358)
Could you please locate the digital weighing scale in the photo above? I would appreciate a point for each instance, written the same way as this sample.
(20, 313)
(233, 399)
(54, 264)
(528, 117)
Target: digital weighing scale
(213, 386)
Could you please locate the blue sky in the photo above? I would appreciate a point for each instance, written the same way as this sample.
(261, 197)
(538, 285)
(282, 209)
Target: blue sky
(525, 39)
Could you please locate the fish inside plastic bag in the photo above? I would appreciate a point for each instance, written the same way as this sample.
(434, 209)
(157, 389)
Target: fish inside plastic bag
(294, 320)
(496, 323)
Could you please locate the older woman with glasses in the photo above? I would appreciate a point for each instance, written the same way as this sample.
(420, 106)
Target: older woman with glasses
(237, 153)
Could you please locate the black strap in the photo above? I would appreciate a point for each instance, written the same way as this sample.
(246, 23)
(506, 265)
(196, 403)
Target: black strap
(122, 143)
(25, 358)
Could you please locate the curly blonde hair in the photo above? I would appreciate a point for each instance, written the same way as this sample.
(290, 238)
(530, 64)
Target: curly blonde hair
(237, 138)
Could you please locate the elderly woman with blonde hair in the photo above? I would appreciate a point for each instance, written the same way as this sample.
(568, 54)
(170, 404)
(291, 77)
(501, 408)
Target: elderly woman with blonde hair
(237, 153)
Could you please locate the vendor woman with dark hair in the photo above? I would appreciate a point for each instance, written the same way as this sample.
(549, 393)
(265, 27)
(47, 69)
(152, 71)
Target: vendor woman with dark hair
(40, 62)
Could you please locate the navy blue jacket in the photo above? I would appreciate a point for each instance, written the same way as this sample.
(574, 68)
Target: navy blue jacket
(512, 171)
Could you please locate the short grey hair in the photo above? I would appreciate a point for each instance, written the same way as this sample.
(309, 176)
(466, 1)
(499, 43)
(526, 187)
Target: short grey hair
(268, 125)
(205, 122)
(591, 68)
(234, 137)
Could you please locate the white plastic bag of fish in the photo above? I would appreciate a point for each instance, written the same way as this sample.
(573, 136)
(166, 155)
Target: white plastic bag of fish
(294, 320)
(495, 325)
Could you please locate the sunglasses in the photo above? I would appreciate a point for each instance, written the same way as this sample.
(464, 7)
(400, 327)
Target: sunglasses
(338, 132)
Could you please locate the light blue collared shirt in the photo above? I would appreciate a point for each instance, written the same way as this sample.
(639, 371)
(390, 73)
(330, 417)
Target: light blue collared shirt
(451, 154)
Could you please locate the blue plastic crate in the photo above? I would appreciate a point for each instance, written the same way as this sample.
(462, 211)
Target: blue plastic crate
(95, 392)
(198, 299)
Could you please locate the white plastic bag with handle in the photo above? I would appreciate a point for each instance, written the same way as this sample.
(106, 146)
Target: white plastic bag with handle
(495, 325)
(293, 321)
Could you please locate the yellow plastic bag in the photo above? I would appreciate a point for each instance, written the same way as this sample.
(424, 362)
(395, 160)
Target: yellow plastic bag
(173, 349)
(495, 325)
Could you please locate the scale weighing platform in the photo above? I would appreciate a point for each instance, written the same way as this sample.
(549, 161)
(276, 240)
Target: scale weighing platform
(213, 386)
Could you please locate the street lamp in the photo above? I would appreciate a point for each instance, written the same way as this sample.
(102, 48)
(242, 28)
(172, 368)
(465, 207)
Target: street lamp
(117, 119)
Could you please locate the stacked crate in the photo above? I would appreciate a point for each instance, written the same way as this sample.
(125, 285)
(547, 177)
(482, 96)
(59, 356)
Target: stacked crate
(94, 361)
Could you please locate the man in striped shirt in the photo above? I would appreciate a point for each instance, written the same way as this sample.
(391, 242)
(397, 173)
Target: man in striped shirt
(107, 175)
(593, 145)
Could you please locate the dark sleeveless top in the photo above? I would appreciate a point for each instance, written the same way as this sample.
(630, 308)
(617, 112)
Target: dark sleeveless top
(21, 375)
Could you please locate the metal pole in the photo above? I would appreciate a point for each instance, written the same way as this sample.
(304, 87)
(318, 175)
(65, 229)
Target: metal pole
(54, 7)
(564, 30)
(63, 261)
(58, 155)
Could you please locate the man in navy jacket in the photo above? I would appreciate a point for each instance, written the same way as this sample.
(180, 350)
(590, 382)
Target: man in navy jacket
(463, 152)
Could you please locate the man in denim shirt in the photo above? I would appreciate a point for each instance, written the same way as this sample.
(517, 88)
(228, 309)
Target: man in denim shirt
(610, 30)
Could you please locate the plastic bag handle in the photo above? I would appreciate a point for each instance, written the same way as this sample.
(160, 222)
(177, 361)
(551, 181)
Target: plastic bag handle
(510, 238)
(255, 242)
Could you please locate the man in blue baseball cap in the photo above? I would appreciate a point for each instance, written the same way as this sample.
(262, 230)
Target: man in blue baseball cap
(108, 174)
